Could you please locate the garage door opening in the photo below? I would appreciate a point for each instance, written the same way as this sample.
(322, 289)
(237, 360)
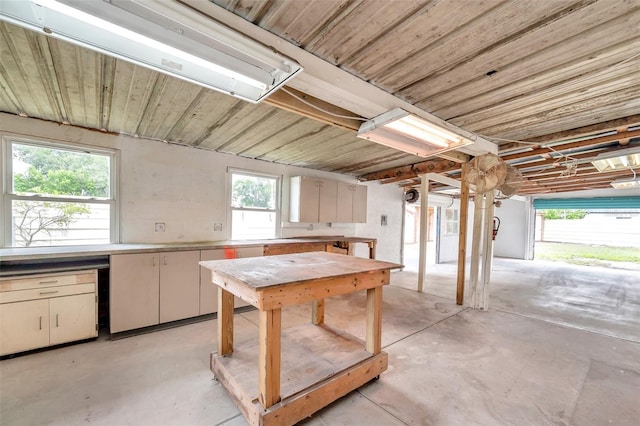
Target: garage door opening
(588, 232)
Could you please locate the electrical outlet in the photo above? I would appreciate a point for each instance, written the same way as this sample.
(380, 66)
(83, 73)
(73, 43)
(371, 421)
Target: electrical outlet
(217, 227)
(160, 226)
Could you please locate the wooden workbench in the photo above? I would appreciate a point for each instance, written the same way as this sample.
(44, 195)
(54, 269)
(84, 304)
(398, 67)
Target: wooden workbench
(320, 364)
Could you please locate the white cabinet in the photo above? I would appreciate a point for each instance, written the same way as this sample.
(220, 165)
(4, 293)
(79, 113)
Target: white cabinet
(151, 288)
(134, 293)
(208, 290)
(352, 203)
(313, 200)
(42, 310)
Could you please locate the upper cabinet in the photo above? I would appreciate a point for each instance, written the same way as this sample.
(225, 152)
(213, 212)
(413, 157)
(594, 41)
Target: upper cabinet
(315, 200)
(352, 203)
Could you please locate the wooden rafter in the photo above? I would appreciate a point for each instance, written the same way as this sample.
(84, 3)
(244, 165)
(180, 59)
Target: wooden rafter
(619, 124)
(429, 166)
(572, 145)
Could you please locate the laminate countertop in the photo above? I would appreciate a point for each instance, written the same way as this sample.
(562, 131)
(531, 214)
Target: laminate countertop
(40, 253)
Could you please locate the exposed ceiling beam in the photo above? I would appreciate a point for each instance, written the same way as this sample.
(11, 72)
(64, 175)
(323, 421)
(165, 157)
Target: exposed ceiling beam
(572, 145)
(407, 172)
(605, 126)
(557, 174)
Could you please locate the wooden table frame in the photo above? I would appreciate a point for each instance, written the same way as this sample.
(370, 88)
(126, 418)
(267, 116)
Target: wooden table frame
(343, 275)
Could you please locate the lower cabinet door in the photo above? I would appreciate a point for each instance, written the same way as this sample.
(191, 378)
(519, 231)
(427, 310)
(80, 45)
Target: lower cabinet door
(134, 293)
(179, 285)
(72, 318)
(24, 326)
(208, 290)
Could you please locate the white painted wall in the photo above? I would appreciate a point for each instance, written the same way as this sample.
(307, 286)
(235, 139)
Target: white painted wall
(186, 189)
(513, 234)
(383, 200)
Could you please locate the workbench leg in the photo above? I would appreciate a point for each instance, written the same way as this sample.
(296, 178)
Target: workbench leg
(317, 313)
(374, 320)
(372, 249)
(269, 357)
(225, 322)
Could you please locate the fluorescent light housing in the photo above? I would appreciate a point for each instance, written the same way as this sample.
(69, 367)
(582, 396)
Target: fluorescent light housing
(626, 183)
(409, 133)
(617, 160)
(165, 36)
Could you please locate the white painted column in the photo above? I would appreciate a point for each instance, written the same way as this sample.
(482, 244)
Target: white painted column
(487, 252)
(424, 229)
(476, 239)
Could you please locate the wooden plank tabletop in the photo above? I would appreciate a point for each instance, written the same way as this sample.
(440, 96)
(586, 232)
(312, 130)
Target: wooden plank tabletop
(270, 271)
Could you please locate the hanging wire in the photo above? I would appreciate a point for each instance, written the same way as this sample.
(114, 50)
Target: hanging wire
(304, 101)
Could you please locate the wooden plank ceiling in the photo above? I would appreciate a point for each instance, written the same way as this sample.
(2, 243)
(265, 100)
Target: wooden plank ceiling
(544, 72)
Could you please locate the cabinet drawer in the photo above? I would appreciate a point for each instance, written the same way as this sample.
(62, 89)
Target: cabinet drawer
(45, 293)
(49, 280)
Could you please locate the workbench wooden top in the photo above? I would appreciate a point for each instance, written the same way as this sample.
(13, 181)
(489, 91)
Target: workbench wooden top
(269, 271)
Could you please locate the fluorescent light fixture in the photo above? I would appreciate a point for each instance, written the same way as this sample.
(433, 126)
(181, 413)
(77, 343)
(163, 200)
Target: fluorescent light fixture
(165, 36)
(409, 133)
(626, 183)
(617, 160)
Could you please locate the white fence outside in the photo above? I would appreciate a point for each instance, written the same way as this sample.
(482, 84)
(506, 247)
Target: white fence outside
(91, 228)
(618, 229)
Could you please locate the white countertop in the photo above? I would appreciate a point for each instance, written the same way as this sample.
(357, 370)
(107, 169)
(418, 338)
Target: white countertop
(34, 253)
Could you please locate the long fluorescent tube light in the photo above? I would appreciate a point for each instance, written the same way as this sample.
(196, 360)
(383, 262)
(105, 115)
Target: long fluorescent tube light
(165, 36)
(617, 160)
(409, 133)
(626, 183)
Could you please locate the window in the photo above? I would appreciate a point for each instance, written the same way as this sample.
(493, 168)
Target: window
(452, 221)
(57, 195)
(254, 205)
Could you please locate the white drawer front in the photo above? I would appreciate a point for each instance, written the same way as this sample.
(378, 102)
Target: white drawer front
(46, 292)
(49, 280)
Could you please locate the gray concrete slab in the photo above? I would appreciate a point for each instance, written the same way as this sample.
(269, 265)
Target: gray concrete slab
(594, 298)
(525, 362)
(621, 385)
(496, 368)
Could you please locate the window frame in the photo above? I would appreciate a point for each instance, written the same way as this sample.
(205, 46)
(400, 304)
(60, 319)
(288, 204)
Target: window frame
(8, 194)
(230, 208)
(455, 221)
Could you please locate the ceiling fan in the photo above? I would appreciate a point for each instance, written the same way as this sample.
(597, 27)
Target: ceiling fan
(488, 172)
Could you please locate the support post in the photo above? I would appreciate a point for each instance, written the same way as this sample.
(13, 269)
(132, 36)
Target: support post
(317, 312)
(462, 235)
(424, 229)
(269, 357)
(487, 252)
(475, 249)
(373, 342)
(225, 322)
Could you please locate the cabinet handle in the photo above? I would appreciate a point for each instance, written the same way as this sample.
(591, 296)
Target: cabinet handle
(49, 282)
(57, 320)
(40, 323)
(42, 293)
(154, 261)
(164, 260)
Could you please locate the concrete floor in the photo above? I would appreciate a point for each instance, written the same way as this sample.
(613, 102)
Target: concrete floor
(560, 346)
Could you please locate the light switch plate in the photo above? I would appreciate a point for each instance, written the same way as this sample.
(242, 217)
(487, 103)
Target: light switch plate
(383, 220)
(160, 226)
